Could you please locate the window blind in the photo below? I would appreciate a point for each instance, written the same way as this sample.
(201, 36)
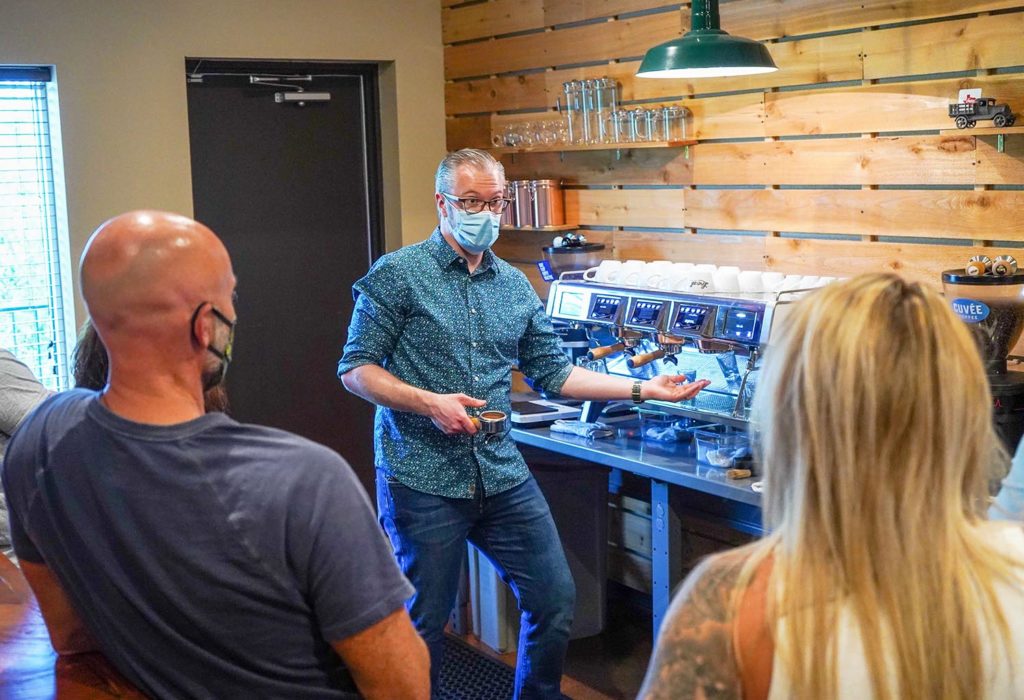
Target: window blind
(36, 312)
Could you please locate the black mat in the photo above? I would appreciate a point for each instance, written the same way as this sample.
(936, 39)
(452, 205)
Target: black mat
(468, 674)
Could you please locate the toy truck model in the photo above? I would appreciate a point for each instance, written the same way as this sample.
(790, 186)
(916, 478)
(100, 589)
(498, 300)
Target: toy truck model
(967, 114)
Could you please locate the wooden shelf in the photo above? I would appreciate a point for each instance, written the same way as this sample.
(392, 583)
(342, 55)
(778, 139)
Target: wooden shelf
(542, 229)
(999, 132)
(623, 146)
(985, 131)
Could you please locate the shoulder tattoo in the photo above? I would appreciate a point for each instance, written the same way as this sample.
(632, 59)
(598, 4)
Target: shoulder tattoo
(694, 657)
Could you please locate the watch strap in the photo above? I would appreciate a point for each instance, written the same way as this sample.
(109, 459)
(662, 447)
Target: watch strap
(637, 385)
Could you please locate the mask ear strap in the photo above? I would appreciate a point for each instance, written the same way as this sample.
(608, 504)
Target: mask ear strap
(192, 323)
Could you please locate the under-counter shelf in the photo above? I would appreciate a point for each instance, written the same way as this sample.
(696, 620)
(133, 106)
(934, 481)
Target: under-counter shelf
(566, 148)
(542, 229)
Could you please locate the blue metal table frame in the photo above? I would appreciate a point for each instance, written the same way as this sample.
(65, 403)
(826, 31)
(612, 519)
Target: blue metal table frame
(665, 465)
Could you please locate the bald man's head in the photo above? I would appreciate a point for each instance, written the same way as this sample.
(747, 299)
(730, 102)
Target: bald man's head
(144, 274)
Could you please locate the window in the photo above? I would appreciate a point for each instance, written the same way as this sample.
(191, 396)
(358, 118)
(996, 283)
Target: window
(36, 306)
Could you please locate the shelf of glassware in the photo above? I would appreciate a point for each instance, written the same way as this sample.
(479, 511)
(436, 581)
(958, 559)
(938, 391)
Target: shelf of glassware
(618, 146)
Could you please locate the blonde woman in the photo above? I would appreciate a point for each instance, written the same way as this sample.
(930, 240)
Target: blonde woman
(882, 577)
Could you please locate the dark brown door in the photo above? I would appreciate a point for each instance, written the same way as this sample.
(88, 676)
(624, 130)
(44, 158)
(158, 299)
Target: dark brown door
(293, 191)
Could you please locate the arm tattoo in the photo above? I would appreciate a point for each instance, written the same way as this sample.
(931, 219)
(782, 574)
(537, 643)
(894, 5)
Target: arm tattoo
(694, 656)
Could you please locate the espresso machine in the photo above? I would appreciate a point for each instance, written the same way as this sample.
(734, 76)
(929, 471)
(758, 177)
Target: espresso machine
(990, 300)
(640, 333)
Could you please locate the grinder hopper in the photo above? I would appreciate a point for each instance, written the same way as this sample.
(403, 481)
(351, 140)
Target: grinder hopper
(994, 307)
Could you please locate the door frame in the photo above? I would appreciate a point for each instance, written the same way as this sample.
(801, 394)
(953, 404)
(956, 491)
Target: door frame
(231, 70)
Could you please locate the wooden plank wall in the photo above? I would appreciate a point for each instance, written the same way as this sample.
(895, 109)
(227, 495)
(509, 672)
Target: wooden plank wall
(833, 165)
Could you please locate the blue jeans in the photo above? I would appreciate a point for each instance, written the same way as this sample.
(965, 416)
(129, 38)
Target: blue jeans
(514, 530)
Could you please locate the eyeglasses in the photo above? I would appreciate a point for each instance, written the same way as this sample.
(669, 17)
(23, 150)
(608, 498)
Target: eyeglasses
(472, 205)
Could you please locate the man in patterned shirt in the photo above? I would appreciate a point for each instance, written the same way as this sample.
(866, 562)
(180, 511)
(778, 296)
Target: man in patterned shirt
(436, 329)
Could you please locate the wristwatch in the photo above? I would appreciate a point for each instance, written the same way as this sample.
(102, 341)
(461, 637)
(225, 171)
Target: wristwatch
(636, 391)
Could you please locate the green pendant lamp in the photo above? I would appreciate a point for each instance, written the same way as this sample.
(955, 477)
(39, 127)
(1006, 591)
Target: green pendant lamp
(706, 51)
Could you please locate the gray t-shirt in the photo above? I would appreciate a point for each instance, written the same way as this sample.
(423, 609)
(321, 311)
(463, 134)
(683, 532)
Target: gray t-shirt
(20, 392)
(210, 559)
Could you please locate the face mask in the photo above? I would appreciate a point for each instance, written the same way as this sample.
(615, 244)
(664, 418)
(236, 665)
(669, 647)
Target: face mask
(475, 232)
(215, 377)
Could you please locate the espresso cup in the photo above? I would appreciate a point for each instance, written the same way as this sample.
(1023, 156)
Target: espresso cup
(628, 273)
(791, 282)
(602, 272)
(751, 281)
(772, 281)
(674, 276)
(726, 279)
(699, 281)
(653, 273)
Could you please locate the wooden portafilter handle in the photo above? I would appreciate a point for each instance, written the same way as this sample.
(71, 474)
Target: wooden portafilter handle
(646, 358)
(604, 351)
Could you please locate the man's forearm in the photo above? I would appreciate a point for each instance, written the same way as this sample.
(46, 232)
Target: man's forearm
(584, 384)
(377, 385)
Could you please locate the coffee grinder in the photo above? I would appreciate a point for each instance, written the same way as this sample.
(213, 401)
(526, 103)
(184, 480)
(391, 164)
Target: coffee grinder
(989, 296)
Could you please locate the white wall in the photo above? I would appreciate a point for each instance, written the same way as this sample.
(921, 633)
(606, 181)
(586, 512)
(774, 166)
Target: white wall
(121, 79)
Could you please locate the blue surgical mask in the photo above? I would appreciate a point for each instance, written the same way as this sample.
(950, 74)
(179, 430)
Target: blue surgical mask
(475, 232)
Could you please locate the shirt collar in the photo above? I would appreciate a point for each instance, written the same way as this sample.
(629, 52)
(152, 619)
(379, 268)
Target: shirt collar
(446, 256)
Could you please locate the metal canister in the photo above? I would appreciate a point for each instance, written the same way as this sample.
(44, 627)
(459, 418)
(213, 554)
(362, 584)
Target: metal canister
(978, 265)
(508, 215)
(522, 206)
(1004, 266)
(547, 203)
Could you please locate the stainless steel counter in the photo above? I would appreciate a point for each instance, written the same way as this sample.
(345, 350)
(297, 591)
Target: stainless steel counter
(672, 463)
(666, 465)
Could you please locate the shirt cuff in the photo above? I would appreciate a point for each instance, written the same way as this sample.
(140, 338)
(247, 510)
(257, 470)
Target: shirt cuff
(554, 382)
(347, 365)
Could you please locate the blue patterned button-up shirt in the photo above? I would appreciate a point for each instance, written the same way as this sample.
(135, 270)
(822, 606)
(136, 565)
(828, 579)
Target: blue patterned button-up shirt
(420, 315)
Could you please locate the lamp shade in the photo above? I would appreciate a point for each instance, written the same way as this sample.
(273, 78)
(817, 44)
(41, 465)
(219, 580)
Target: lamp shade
(706, 51)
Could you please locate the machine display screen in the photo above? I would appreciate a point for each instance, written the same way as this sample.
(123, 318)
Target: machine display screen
(740, 324)
(571, 305)
(690, 317)
(645, 313)
(605, 308)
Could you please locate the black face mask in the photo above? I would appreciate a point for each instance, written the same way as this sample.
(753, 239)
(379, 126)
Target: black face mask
(213, 378)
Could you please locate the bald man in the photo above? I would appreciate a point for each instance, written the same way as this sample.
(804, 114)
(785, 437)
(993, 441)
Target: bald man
(205, 558)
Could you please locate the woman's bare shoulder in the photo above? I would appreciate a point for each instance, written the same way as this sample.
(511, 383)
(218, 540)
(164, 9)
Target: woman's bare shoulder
(694, 656)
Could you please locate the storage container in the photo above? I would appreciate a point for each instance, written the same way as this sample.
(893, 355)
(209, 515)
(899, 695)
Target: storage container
(721, 445)
(573, 258)
(522, 206)
(547, 203)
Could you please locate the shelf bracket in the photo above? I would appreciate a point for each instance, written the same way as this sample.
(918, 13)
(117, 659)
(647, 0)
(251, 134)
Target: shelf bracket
(1000, 142)
(618, 154)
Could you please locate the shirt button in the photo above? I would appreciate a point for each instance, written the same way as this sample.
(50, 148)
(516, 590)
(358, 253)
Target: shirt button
(476, 378)
(474, 343)
(472, 311)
